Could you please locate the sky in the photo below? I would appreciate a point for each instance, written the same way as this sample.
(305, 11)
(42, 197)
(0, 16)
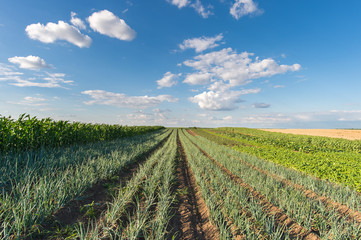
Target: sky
(183, 63)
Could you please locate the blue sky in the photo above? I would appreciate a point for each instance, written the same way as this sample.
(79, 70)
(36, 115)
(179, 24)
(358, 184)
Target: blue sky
(253, 63)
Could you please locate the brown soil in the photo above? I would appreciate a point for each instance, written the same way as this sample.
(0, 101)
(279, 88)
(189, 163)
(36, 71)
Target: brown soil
(343, 210)
(191, 220)
(99, 194)
(191, 132)
(333, 133)
(294, 230)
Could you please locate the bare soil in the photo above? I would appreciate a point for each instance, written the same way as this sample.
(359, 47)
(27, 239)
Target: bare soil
(191, 220)
(191, 132)
(333, 133)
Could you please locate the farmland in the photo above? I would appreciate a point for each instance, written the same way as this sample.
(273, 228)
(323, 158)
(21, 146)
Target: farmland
(159, 183)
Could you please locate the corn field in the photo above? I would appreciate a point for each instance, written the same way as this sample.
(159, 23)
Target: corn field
(29, 133)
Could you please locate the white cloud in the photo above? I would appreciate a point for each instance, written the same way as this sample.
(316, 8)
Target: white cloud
(107, 23)
(242, 8)
(121, 100)
(198, 6)
(279, 86)
(141, 117)
(202, 43)
(237, 69)
(219, 86)
(199, 78)
(261, 105)
(195, 4)
(29, 62)
(203, 115)
(52, 32)
(220, 100)
(49, 80)
(77, 22)
(20, 82)
(227, 118)
(179, 3)
(31, 101)
(57, 78)
(157, 110)
(168, 80)
(266, 119)
(7, 70)
(221, 119)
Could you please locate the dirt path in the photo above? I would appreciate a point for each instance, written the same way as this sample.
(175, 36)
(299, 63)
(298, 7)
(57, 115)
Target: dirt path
(191, 220)
(294, 230)
(333, 133)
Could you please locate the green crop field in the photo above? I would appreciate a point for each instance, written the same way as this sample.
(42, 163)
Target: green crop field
(62, 180)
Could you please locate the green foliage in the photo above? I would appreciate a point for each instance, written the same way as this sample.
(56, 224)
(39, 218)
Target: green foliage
(35, 184)
(246, 208)
(303, 143)
(89, 210)
(337, 160)
(29, 133)
(151, 194)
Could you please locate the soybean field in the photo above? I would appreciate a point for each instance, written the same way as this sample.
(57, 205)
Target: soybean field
(174, 183)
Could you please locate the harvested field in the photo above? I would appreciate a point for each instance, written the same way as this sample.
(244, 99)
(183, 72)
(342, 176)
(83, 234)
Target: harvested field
(334, 133)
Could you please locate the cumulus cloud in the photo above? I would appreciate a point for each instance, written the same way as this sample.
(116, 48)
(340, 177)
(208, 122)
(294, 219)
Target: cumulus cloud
(77, 22)
(225, 70)
(202, 43)
(52, 32)
(105, 22)
(121, 100)
(237, 69)
(220, 100)
(169, 79)
(199, 78)
(179, 3)
(261, 105)
(242, 8)
(29, 62)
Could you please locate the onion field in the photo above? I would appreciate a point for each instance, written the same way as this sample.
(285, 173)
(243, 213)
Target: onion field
(159, 183)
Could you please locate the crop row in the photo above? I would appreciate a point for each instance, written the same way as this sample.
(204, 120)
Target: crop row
(294, 142)
(28, 133)
(142, 207)
(339, 167)
(37, 183)
(257, 203)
